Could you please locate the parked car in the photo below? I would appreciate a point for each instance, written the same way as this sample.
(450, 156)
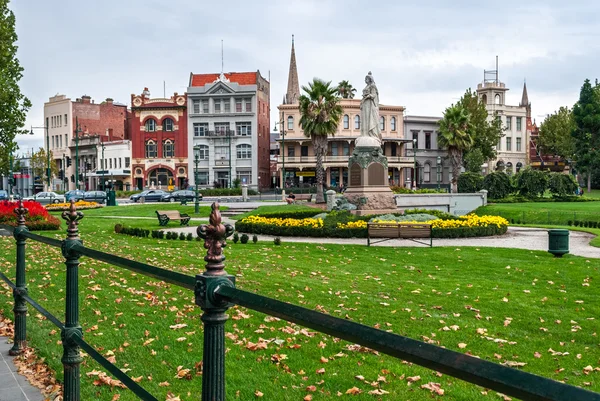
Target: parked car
(75, 194)
(46, 198)
(3, 195)
(95, 196)
(178, 196)
(152, 195)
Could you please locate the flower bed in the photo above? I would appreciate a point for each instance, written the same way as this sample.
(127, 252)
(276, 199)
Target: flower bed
(36, 219)
(81, 205)
(463, 226)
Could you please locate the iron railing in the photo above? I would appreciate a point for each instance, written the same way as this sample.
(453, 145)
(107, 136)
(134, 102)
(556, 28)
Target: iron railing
(215, 292)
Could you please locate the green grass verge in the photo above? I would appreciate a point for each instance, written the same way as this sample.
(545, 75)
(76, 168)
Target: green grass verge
(441, 294)
(264, 210)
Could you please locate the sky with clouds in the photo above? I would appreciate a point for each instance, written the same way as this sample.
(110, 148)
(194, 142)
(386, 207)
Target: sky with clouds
(423, 55)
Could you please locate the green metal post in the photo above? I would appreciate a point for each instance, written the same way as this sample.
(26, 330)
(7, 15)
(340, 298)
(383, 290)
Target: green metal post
(228, 132)
(415, 167)
(102, 165)
(20, 308)
(77, 130)
(48, 170)
(11, 176)
(196, 160)
(71, 358)
(214, 317)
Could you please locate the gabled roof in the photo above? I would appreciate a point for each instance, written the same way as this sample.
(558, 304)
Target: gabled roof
(241, 78)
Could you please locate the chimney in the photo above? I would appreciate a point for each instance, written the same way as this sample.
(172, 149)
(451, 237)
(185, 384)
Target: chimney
(109, 101)
(86, 99)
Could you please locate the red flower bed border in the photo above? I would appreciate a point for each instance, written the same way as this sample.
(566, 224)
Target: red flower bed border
(37, 219)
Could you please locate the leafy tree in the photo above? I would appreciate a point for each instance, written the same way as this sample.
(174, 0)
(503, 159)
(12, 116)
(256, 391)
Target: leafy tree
(497, 184)
(13, 104)
(39, 165)
(470, 182)
(473, 161)
(555, 134)
(485, 132)
(454, 136)
(531, 183)
(586, 135)
(345, 90)
(562, 185)
(320, 114)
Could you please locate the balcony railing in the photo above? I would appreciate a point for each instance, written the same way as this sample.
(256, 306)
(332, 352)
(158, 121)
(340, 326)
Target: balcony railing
(223, 134)
(336, 159)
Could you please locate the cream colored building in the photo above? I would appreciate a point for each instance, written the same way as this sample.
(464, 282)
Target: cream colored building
(297, 152)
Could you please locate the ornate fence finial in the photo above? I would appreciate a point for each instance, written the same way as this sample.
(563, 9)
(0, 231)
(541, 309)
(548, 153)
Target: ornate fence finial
(21, 212)
(214, 235)
(72, 217)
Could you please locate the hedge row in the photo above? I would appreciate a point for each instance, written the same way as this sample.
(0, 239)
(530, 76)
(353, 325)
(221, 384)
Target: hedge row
(158, 234)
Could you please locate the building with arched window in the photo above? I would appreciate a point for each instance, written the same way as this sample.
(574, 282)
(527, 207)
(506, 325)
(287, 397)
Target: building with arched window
(158, 128)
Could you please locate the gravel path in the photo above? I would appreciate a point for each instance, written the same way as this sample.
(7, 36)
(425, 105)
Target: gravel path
(516, 237)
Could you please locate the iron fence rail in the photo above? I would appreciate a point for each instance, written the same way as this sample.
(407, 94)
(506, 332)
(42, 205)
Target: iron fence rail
(490, 375)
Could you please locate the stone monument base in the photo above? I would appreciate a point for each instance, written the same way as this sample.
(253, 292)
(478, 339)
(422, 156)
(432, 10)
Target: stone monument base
(372, 200)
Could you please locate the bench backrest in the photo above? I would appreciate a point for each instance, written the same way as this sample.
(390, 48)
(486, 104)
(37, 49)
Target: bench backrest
(171, 214)
(414, 230)
(383, 230)
(303, 196)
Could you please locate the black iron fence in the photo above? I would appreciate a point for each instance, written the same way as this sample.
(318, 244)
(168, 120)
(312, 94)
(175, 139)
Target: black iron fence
(215, 292)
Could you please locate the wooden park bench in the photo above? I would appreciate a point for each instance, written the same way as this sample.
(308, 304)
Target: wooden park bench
(399, 230)
(303, 197)
(164, 216)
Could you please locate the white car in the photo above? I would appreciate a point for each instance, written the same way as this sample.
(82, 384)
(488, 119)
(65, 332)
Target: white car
(46, 198)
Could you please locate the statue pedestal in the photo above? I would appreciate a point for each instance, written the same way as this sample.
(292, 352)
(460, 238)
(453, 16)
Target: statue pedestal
(368, 186)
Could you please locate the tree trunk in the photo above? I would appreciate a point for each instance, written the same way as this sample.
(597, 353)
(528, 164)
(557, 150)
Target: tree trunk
(320, 146)
(589, 182)
(456, 158)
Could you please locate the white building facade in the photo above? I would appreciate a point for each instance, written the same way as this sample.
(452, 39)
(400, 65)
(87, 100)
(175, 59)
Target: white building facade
(113, 169)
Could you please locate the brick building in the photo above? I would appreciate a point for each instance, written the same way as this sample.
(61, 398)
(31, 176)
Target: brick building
(159, 141)
(98, 122)
(229, 120)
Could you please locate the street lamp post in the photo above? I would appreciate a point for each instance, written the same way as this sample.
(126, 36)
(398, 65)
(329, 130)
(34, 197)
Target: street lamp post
(229, 132)
(196, 161)
(48, 170)
(439, 171)
(415, 163)
(280, 123)
(102, 165)
(77, 131)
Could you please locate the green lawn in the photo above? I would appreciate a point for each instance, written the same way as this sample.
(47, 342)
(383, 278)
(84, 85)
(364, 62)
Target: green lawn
(594, 194)
(444, 295)
(544, 212)
(261, 210)
(147, 210)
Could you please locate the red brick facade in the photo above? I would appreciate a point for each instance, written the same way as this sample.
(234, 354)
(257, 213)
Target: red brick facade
(156, 126)
(104, 119)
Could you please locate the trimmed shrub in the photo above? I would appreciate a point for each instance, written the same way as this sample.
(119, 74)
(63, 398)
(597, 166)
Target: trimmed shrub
(182, 236)
(570, 222)
(189, 237)
(470, 182)
(437, 213)
(255, 238)
(497, 184)
(531, 183)
(562, 185)
(236, 237)
(277, 241)
(244, 239)
(161, 234)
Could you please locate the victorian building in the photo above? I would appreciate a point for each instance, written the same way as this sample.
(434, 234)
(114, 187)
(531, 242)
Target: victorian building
(430, 161)
(512, 149)
(297, 156)
(229, 119)
(74, 131)
(159, 141)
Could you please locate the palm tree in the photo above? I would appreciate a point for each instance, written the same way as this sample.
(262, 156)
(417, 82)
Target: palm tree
(345, 90)
(320, 114)
(454, 136)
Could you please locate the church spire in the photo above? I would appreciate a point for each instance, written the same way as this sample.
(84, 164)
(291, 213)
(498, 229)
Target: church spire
(524, 98)
(293, 88)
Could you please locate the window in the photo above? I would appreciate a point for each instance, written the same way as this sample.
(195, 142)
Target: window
(518, 144)
(519, 166)
(150, 125)
(167, 124)
(150, 150)
(291, 151)
(205, 106)
(304, 150)
(202, 178)
(222, 152)
(66, 119)
(427, 172)
(508, 143)
(382, 123)
(393, 149)
(508, 123)
(519, 120)
(243, 128)
(499, 147)
(127, 162)
(346, 121)
(345, 149)
(334, 149)
(245, 177)
(202, 152)
(110, 163)
(356, 122)
(290, 123)
(238, 105)
(53, 141)
(428, 140)
(221, 128)
(200, 129)
(499, 120)
(196, 106)
(393, 123)
(47, 125)
(120, 165)
(217, 106)
(509, 168)
(415, 137)
(66, 140)
(497, 99)
(60, 140)
(168, 149)
(226, 106)
(244, 151)
(249, 105)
